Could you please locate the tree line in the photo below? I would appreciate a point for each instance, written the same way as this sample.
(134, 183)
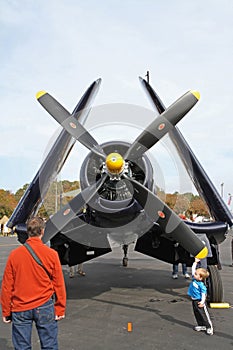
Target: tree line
(61, 192)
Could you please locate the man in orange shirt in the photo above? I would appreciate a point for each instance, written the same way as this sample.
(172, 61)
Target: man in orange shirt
(28, 289)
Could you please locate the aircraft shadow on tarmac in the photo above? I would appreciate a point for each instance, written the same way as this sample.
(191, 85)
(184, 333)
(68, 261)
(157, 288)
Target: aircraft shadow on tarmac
(103, 277)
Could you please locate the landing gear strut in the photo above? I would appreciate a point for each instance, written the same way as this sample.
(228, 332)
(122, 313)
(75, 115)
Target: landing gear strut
(125, 258)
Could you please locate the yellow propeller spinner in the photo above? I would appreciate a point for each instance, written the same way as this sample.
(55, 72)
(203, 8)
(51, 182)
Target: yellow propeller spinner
(114, 163)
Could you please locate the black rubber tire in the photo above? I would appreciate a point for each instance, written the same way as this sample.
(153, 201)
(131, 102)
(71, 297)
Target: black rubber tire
(214, 285)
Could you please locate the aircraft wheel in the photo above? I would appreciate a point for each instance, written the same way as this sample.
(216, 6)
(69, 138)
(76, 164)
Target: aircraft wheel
(125, 262)
(214, 285)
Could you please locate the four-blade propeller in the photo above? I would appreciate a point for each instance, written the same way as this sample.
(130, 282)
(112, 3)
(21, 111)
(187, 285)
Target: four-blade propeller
(113, 164)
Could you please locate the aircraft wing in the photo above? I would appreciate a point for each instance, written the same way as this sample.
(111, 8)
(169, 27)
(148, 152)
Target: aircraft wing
(206, 189)
(56, 157)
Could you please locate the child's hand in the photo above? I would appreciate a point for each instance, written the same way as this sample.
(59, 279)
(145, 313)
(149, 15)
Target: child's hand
(200, 305)
(197, 260)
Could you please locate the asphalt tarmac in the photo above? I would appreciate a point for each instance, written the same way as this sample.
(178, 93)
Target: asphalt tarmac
(102, 304)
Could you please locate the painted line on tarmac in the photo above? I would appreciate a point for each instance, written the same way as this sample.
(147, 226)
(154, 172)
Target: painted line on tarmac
(8, 245)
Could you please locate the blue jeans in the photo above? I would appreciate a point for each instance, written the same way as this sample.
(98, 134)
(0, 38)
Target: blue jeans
(175, 269)
(44, 318)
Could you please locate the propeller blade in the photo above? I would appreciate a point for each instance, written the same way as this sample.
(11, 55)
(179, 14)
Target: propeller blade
(171, 224)
(71, 122)
(53, 107)
(162, 124)
(53, 162)
(60, 219)
(202, 182)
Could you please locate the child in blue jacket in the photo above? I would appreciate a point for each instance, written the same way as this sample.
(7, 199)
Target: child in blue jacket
(198, 291)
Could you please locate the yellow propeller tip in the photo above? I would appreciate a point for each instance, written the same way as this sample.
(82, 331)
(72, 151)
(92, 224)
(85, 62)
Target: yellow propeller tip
(202, 254)
(196, 94)
(40, 93)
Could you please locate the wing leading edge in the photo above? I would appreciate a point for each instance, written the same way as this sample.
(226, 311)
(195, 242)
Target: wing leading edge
(55, 159)
(206, 189)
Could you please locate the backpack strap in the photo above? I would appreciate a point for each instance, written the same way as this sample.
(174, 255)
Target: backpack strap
(36, 258)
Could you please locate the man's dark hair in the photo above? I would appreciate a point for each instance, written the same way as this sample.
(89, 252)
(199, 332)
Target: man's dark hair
(34, 226)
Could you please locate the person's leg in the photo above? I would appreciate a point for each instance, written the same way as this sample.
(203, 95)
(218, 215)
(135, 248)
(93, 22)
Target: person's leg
(80, 270)
(22, 330)
(175, 271)
(46, 325)
(72, 271)
(184, 269)
(206, 319)
(200, 324)
(203, 318)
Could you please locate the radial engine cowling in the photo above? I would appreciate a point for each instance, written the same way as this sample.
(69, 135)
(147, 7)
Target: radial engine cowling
(116, 194)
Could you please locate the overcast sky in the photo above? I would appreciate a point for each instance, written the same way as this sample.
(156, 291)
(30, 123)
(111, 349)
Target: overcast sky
(62, 46)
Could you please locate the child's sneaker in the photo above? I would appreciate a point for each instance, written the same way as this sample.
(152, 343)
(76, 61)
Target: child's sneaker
(175, 276)
(200, 328)
(209, 331)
